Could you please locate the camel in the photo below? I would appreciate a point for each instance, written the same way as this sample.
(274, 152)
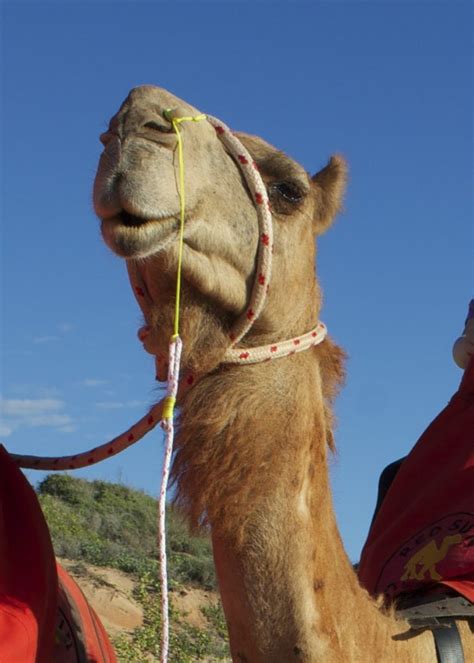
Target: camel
(425, 560)
(253, 441)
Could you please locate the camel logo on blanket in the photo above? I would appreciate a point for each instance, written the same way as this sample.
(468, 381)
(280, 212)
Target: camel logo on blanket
(443, 550)
(423, 563)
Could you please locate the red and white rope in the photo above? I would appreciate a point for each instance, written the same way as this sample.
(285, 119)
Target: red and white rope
(104, 451)
(242, 326)
(276, 350)
(259, 194)
(164, 409)
(167, 424)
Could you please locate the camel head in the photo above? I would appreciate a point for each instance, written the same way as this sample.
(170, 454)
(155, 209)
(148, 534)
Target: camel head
(136, 198)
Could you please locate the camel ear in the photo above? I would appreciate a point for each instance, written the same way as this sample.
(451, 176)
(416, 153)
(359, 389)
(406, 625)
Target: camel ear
(328, 187)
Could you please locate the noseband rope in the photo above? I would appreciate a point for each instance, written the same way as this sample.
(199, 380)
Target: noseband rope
(164, 410)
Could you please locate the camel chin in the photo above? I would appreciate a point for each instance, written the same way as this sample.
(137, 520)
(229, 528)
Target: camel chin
(140, 240)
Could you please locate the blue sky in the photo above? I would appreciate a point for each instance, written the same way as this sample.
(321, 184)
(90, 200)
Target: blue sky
(387, 84)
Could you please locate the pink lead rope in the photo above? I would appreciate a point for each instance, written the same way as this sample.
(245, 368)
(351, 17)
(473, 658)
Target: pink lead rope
(167, 423)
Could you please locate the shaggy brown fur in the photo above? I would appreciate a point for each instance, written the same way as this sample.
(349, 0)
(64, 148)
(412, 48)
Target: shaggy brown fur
(252, 449)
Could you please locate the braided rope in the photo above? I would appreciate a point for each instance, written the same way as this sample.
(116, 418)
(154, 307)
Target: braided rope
(233, 355)
(168, 426)
(243, 325)
(104, 451)
(265, 248)
(155, 414)
(276, 350)
(164, 410)
(265, 242)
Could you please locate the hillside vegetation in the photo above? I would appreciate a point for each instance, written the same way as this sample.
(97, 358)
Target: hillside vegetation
(111, 525)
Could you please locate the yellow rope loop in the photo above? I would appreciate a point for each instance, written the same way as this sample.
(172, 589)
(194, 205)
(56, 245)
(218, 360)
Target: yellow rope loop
(189, 118)
(175, 122)
(168, 408)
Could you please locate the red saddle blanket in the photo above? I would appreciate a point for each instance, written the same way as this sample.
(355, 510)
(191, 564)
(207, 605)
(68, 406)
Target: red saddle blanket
(423, 533)
(44, 617)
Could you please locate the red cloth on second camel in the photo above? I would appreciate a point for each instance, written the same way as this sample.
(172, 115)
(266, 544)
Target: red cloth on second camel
(28, 579)
(44, 617)
(423, 533)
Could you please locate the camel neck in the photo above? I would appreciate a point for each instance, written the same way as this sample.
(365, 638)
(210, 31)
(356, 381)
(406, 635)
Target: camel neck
(252, 457)
(249, 434)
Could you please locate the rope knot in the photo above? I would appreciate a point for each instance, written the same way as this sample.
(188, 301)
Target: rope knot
(168, 408)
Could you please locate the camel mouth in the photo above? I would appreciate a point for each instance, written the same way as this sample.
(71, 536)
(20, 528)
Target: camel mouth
(132, 236)
(129, 220)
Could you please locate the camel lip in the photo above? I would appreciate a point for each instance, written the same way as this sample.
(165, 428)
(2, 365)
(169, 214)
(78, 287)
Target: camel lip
(125, 219)
(131, 220)
(136, 237)
(132, 236)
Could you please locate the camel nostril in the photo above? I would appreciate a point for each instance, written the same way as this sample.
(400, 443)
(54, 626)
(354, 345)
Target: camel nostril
(155, 126)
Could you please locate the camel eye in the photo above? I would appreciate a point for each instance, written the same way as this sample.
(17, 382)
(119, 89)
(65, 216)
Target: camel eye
(287, 190)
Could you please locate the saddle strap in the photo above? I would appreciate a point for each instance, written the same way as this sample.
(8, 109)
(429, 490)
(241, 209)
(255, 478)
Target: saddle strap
(438, 612)
(448, 643)
(422, 611)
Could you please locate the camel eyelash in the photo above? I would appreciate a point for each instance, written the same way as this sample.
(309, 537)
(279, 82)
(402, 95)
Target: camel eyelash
(287, 190)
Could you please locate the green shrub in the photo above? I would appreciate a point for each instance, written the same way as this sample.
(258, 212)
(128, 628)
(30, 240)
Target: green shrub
(110, 524)
(65, 487)
(188, 644)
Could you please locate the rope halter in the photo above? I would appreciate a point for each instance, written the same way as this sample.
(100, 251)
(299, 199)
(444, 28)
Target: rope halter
(263, 269)
(234, 355)
(163, 411)
(239, 330)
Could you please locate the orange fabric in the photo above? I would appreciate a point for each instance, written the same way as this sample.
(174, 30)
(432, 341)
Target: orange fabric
(85, 638)
(28, 580)
(41, 620)
(423, 533)
(464, 586)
